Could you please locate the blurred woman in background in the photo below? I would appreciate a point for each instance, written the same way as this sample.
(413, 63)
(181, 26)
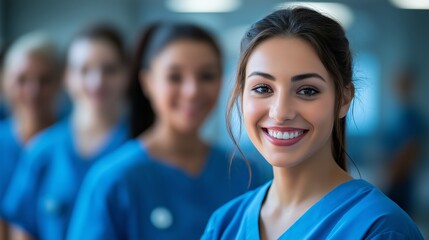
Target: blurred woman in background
(165, 183)
(30, 83)
(42, 194)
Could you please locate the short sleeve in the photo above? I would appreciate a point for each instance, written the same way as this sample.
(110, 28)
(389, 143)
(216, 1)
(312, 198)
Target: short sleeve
(21, 198)
(99, 212)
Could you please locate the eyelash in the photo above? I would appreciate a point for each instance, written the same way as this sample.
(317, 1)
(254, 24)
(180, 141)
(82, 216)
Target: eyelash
(313, 90)
(305, 91)
(258, 89)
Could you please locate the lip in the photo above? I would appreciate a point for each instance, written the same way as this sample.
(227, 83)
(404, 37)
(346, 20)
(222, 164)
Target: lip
(284, 142)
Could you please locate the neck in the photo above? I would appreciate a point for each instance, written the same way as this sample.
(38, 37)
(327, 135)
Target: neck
(186, 151)
(29, 124)
(167, 138)
(88, 120)
(309, 181)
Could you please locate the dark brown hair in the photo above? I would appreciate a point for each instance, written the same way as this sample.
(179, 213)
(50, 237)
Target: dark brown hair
(326, 36)
(104, 32)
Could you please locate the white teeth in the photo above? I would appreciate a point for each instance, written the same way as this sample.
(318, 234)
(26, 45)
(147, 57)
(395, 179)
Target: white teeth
(284, 135)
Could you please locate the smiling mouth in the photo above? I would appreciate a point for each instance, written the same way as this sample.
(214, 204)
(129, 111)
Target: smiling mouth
(285, 135)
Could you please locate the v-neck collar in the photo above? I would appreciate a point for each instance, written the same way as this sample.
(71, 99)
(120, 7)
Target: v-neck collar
(311, 217)
(201, 175)
(118, 134)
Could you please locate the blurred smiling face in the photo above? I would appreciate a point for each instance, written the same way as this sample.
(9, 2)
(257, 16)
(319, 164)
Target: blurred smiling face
(30, 83)
(95, 74)
(183, 84)
(288, 102)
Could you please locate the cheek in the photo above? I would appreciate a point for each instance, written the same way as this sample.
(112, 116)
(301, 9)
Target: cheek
(20, 92)
(254, 111)
(211, 91)
(75, 86)
(49, 91)
(117, 85)
(321, 116)
(162, 96)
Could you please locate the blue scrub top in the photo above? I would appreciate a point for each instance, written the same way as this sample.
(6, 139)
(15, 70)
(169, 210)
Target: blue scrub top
(44, 189)
(353, 210)
(135, 196)
(10, 150)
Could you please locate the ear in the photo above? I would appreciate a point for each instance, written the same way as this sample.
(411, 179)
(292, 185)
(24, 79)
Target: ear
(349, 92)
(145, 83)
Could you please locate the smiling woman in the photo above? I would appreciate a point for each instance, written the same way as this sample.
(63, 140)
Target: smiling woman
(167, 182)
(43, 190)
(295, 85)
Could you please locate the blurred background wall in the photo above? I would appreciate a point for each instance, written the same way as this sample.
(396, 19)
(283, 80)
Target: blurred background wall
(384, 37)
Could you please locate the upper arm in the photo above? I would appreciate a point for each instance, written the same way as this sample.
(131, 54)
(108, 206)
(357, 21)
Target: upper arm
(21, 198)
(95, 215)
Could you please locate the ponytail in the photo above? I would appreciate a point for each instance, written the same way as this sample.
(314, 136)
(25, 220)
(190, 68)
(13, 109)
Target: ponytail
(142, 114)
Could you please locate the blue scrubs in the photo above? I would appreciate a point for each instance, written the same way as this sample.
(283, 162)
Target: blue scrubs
(44, 189)
(135, 196)
(10, 150)
(353, 210)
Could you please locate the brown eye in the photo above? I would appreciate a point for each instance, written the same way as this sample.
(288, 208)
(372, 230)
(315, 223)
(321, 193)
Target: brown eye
(262, 89)
(46, 79)
(207, 76)
(110, 69)
(21, 81)
(308, 91)
(175, 77)
(83, 71)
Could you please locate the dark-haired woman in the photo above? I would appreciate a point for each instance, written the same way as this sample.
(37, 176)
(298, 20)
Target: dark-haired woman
(42, 194)
(295, 86)
(166, 183)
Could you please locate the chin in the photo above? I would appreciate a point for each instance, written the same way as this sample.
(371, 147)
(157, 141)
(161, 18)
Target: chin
(282, 161)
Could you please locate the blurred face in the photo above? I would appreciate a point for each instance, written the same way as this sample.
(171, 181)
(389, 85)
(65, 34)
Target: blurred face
(288, 102)
(95, 75)
(183, 84)
(30, 84)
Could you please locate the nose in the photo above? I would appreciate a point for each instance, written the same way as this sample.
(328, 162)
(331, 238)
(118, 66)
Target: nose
(190, 88)
(94, 80)
(282, 108)
(33, 88)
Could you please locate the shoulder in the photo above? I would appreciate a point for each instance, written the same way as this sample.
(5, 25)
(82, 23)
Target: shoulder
(232, 213)
(39, 150)
(248, 168)
(49, 137)
(125, 162)
(4, 124)
(228, 162)
(6, 132)
(384, 217)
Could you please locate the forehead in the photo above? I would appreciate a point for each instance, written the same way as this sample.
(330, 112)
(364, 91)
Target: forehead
(83, 50)
(30, 62)
(285, 57)
(186, 53)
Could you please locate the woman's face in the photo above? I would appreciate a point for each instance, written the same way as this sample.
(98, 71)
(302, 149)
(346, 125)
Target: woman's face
(288, 102)
(30, 84)
(95, 75)
(183, 84)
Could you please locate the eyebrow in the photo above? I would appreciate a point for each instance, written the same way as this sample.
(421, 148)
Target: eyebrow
(294, 78)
